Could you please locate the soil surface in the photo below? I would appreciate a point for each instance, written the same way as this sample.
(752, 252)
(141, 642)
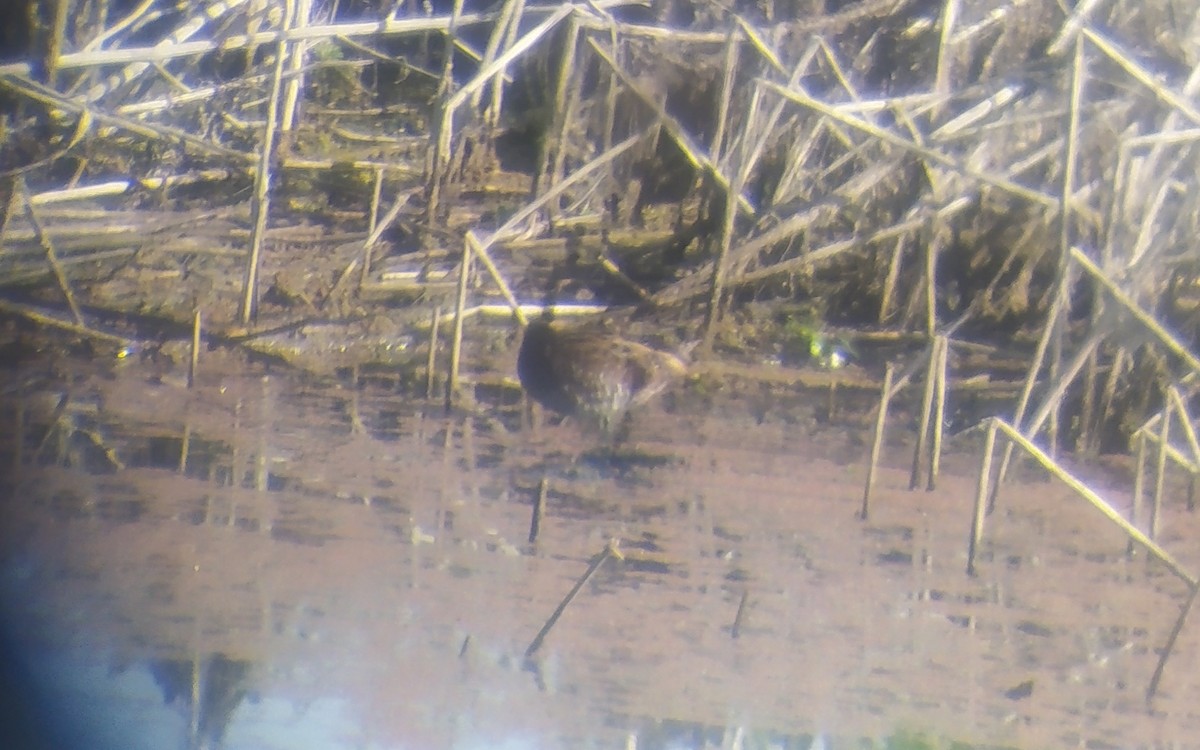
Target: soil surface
(273, 561)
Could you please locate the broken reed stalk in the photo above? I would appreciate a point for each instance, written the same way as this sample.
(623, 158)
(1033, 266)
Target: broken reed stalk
(261, 201)
(1156, 678)
(1164, 337)
(941, 83)
(1185, 421)
(914, 478)
(500, 31)
(1160, 471)
(890, 280)
(1062, 381)
(481, 253)
(180, 46)
(539, 509)
(1144, 76)
(377, 230)
(185, 446)
(194, 354)
(885, 396)
(764, 130)
(1081, 489)
(1139, 484)
(444, 133)
(443, 129)
(1087, 406)
(729, 219)
(981, 496)
(474, 245)
(295, 64)
(52, 425)
(939, 412)
(89, 117)
(732, 48)
(1065, 223)
(612, 95)
(48, 247)
(495, 106)
(460, 303)
(930, 288)
(1173, 453)
(372, 224)
(552, 158)
(840, 114)
(717, 283)
(694, 153)
(736, 629)
(1039, 355)
(1052, 404)
(612, 549)
(49, 320)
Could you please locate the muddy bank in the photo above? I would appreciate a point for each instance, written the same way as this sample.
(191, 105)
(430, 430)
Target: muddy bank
(342, 558)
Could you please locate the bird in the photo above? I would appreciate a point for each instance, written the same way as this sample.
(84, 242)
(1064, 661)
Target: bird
(593, 375)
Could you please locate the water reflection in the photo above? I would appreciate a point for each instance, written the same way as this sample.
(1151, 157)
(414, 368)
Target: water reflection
(271, 562)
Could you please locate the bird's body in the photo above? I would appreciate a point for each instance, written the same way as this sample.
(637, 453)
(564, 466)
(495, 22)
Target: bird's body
(594, 375)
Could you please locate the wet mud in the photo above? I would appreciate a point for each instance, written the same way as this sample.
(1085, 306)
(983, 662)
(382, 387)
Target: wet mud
(274, 561)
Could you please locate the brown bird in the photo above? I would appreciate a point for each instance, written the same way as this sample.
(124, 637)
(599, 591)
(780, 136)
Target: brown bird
(594, 375)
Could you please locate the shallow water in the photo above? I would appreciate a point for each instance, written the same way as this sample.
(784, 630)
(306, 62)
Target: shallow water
(271, 562)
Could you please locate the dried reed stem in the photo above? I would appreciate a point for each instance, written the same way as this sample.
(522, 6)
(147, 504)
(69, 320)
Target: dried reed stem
(1139, 484)
(460, 303)
(372, 225)
(950, 13)
(885, 396)
(1164, 337)
(837, 114)
(736, 629)
(1081, 489)
(48, 247)
(1160, 471)
(939, 412)
(539, 510)
(729, 66)
(194, 354)
(185, 446)
(492, 116)
(1039, 355)
(890, 280)
(1149, 79)
(565, 95)
(1185, 421)
(41, 318)
(1169, 647)
(717, 283)
(295, 66)
(914, 478)
(261, 202)
(612, 550)
(694, 153)
(981, 496)
(1087, 407)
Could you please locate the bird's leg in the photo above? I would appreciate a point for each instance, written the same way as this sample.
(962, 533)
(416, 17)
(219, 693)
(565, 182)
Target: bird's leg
(620, 432)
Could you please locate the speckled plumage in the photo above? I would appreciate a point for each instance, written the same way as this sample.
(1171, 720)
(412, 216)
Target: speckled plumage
(594, 375)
